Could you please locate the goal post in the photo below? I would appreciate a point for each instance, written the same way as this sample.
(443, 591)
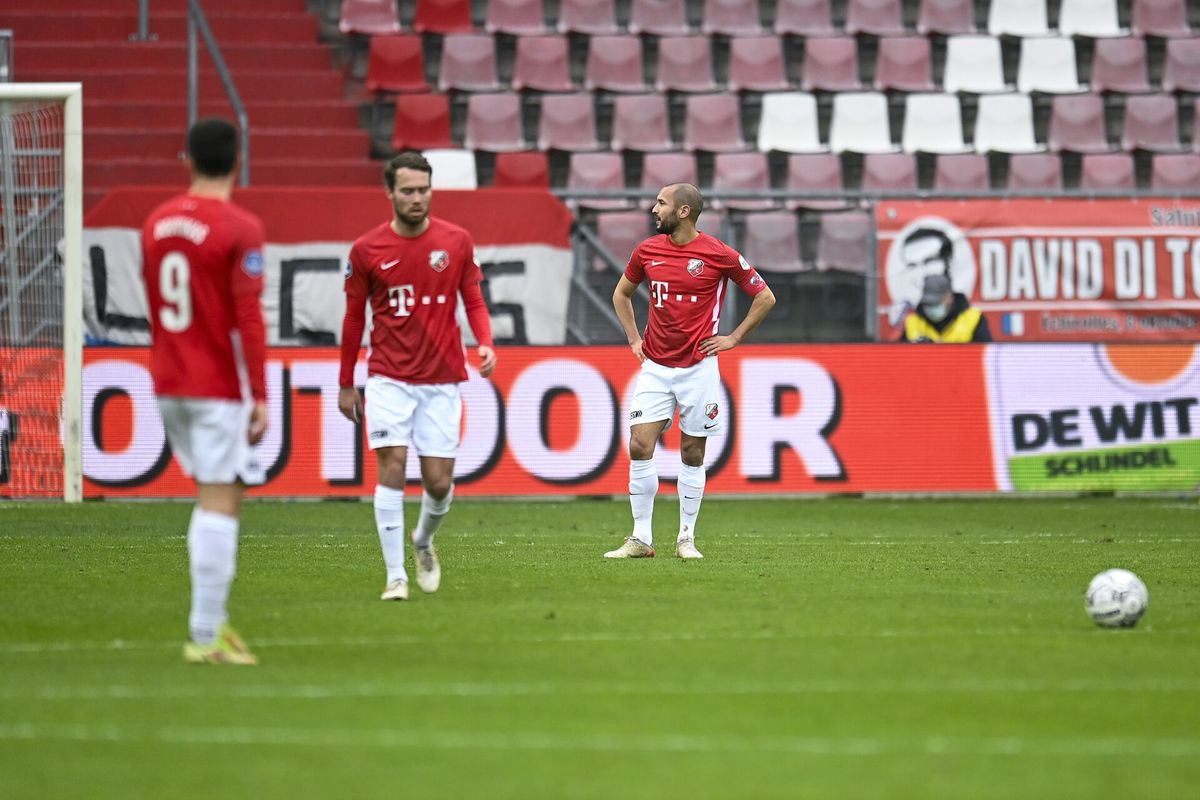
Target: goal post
(41, 290)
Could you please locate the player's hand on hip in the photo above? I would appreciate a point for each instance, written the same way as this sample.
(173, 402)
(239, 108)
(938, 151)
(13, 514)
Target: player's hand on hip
(258, 423)
(350, 403)
(636, 347)
(487, 360)
(717, 344)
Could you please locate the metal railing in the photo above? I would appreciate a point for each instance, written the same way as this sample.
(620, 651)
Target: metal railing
(6, 55)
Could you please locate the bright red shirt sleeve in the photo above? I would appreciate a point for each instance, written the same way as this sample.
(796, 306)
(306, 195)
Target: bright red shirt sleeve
(247, 292)
(635, 270)
(355, 320)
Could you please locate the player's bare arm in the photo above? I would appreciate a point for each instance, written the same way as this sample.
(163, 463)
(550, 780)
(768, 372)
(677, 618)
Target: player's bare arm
(258, 423)
(350, 403)
(623, 305)
(763, 302)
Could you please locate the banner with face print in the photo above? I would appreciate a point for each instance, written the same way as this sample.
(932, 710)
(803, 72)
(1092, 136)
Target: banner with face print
(1048, 270)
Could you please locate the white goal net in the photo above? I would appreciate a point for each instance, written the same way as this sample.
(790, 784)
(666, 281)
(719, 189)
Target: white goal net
(41, 221)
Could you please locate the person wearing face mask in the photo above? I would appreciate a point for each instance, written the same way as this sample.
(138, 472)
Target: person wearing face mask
(944, 315)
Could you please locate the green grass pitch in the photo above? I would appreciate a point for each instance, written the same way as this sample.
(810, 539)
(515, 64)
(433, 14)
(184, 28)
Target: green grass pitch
(828, 648)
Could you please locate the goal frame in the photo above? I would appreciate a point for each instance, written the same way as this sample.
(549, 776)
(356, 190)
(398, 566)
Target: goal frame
(71, 96)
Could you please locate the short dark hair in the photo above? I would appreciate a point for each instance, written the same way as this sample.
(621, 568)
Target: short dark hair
(686, 194)
(946, 245)
(212, 145)
(409, 159)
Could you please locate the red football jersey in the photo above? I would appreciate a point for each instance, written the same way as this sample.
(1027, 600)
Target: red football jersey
(413, 286)
(201, 260)
(687, 290)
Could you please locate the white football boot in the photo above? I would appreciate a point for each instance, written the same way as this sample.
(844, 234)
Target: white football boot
(632, 548)
(429, 571)
(686, 548)
(396, 590)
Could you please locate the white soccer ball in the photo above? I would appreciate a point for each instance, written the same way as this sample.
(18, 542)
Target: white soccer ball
(1116, 598)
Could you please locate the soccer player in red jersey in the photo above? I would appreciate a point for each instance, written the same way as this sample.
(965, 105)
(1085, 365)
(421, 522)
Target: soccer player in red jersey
(411, 269)
(688, 272)
(203, 269)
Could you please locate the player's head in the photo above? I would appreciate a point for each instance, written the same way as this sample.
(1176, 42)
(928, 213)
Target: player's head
(677, 204)
(212, 148)
(928, 251)
(408, 177)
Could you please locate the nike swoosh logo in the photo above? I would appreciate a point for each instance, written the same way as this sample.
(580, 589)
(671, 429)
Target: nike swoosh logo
(656, 263)
(389, 264)
(710, 427)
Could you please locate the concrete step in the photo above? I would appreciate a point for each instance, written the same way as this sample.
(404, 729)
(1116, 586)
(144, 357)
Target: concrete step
(306, 143)
(212, 8)
(263, 172)
(117, 27)
(85, 56)
(310, 85)
(265, 114)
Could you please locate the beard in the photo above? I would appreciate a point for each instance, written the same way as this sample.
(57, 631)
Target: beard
(667, 225)
(412, 218)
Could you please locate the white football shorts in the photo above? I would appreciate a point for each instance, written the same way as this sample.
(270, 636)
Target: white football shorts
(694, 390)
(208, 436)
(426, 416)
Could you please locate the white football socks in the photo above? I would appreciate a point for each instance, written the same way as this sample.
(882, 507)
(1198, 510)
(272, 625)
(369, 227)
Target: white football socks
(643, 486)
(691, 492)
(389, 521)
(212, 557)
(432, 514)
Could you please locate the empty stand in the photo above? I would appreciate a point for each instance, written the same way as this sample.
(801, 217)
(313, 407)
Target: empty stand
(601, 171)
(452, 168)
(1119, 65)
(621, 232)
(889, 172)
(804, 17)
(685, 64)
(713, 122)
(568, 122)
(1089, 18)
(1107, 172)
(593, 17)
(1151, 123)
(640, 122)
(1181, 72)
(731, 17)
(663, 169)
(1047, 64)
(1018, 18)
(844, 242)
(815, 173)
(964, 172)
(933, 124)
(1004, 123)
(422, 122)
(878, 17)
(541, 63)
(756, 64)
(946, 16)
(369, 17)
(494, 123)
(396, 64)
(659, 17)
(517, 17)
(1077, 124)
(789, 123)
(904, 63)
(1175, 172)
(974, 63)
(614, 63)
(771, 242)
(831, 64)
(526, 169)
(860, 123)
(443, 16)
(743, 172)
(1035, 172)
(468, 63)
(1160, 18)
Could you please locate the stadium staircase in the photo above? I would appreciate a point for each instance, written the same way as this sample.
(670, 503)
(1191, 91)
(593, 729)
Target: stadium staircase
(304, 130)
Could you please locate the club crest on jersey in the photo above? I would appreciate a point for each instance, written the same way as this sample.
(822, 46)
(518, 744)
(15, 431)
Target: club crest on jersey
(439, 260)
(695, 266)
(252, 263)
(347, 270)
(711, 410)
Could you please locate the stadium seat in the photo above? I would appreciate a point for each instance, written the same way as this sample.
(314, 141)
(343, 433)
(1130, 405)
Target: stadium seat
(1195, 128)
(516, 17)
(713, 222)
(396, 64)
(640, 122)
(789, 123)
(621, 232)
(663, 169)
(1018, 18)
(659, 17)
(525, 169)
(614, 64)
(452, 168)
(1004, 123)
(1165, 18)
(1077, 124)
(1035, 172)
(904, 63)
(756, 64)
(964, 172)
(933, 124)
(443, 16)
(468, 63)
(1119, 65)
(422, 122)
(591, 17)
(741, 171)
(568, 122)
(830, 64)
(1094, 18)
(494, 123)
(541, 63)
(946, 16)
(844, 242)
(1175, 172)
(713, 122)
(1112, 171)
(804, 18)
(685, 64)
(598, 171)
(860, 123)
(973, 64)
(731, 18)
(889, 172)
(1047, 64)
(1151, 123)
(1181, 71)
(877, 17)
(814, 172)
(771, 242)
(369, 17)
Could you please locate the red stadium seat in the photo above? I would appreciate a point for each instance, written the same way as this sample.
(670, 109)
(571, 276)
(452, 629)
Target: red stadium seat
(1107, 171)
(517, 17)
(713, 122)
(1119, 65)
(685, 64)
(1160, 18)
(844, 242)
(1181, 72)
(946, 16)
(1151, 123)
(756, 64)
(640, 122)
(1175, 172)
(526, 169)
(422, 122)
(614, 64)
(731, 18)
(369, 17)
(815, 172)
(804, 18)
(593, 17)
(742, 171)
(1077, 124)
(494, 123)
(1035, 172)
(659, 17)
(889, 172)
(568, 122)
(830, 64)
(468, 64)
(598, 171)
(396, 64)
(621, 232)
(664, 169)
(541, 63)
(904, 63)
(772, 242)
(878, 17)
(443, 16)
(961, 172)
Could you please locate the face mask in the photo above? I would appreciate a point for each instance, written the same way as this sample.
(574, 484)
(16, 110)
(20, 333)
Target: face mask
(936, 313)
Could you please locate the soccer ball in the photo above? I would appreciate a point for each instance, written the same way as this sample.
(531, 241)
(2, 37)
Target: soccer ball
(1116, 598)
